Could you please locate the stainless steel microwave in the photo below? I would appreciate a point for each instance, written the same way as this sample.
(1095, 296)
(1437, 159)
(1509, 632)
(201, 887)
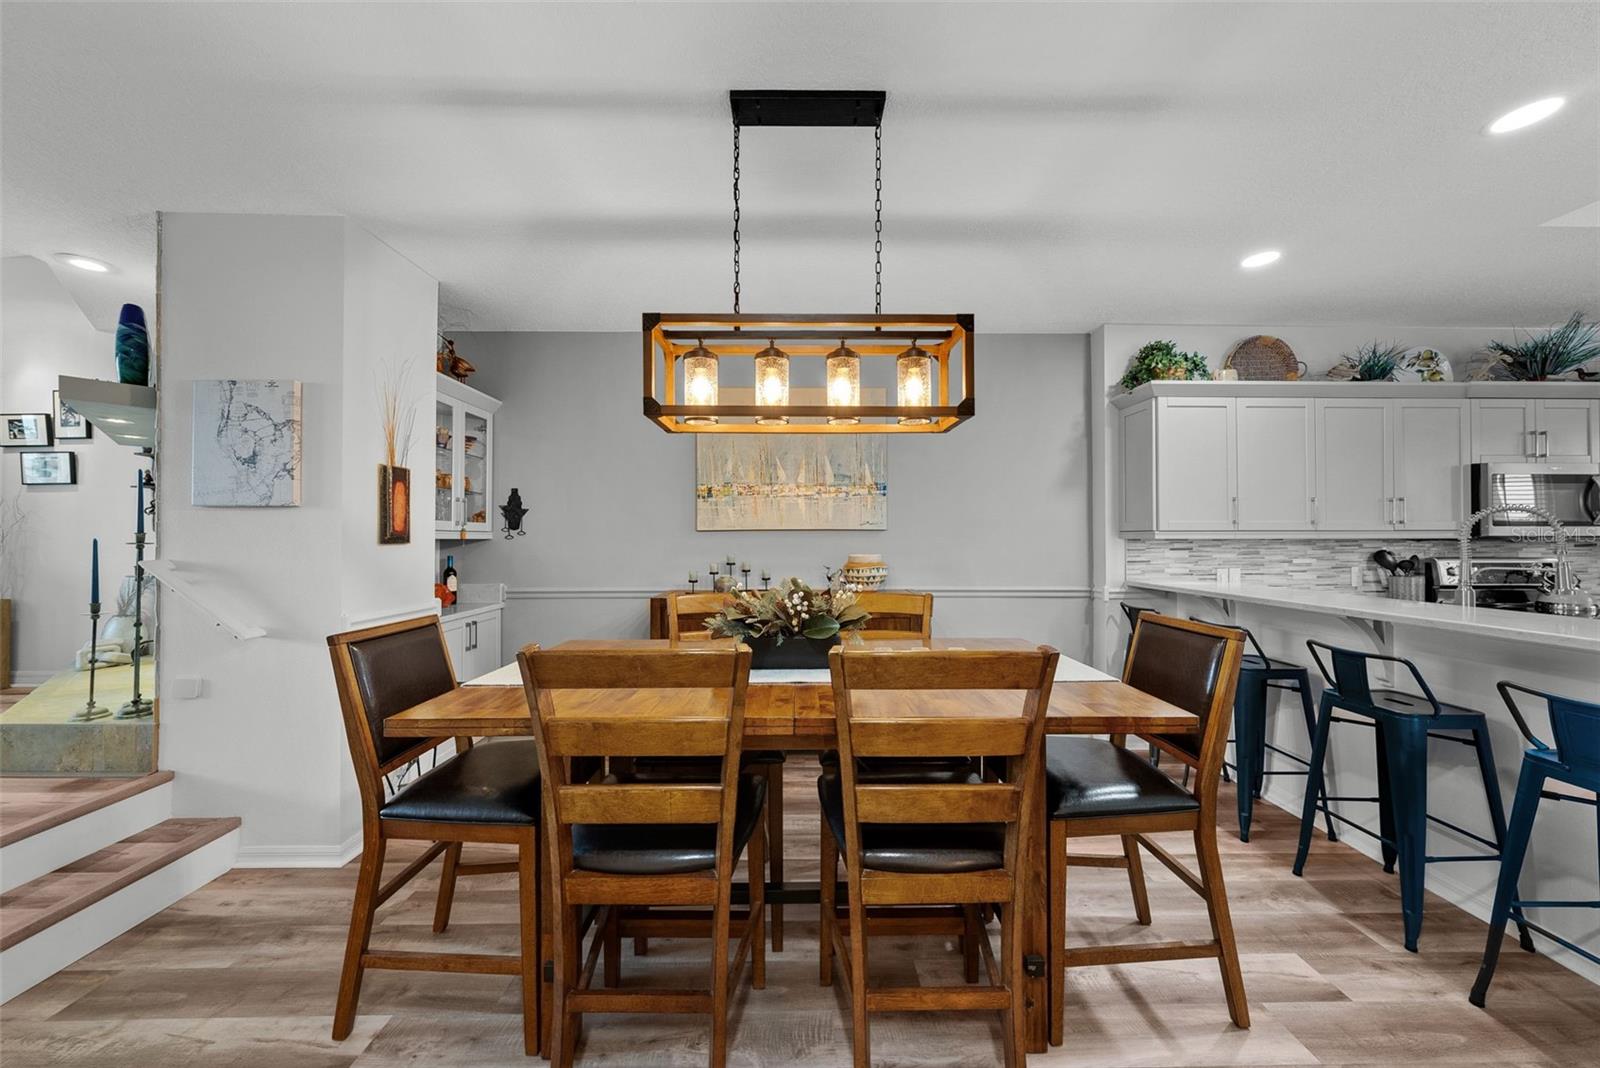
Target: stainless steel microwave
(1570, 492)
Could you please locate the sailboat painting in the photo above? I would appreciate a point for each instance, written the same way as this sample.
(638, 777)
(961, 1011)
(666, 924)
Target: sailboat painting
(791, 482)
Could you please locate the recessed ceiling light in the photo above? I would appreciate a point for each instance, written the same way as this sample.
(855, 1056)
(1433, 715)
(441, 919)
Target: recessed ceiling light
(1260, 259)
(1527, 115)
(83, 263)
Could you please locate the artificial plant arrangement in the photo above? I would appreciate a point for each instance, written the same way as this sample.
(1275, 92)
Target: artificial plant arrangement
(1537, 357)
(1372, 362)
(790, 609)
(1163, 360)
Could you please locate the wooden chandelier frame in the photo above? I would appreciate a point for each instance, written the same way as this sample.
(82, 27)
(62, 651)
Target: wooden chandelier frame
(668, 336)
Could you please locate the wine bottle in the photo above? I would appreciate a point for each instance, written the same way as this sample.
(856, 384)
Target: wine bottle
(451, 582)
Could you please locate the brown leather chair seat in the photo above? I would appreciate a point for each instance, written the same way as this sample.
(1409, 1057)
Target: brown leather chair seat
(916, 848)
(1087, 777)
(893, 770)
(695, 769)
(665, 848)
(493, 782)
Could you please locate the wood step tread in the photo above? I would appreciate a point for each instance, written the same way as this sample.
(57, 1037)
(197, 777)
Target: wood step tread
(30, 804)
(49, 899)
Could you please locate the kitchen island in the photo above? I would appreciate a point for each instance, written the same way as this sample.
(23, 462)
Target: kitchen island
(1463, 653)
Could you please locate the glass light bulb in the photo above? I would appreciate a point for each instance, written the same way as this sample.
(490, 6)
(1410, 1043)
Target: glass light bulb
(772, 383)
(700, 383)
(914, 383)
(844, 383)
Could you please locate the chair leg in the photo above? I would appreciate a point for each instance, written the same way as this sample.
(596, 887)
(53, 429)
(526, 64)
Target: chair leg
(970, 933)
(1314, 782)
(611, 974)
(1013, 1042)
(528, 929)
(1141, 899)
(1216, 895)
(641, 945)
(719, 980)
(757, 863)
(774, 866)
(828, 879)
(1405, 742)
(1249, 708)
(1303, 684)
(1497, 813)
(860, 1033)
(447, 887)
(1512, 853)
(1056, 966)
(1386, 801)
(362, 909)
(564, 1024)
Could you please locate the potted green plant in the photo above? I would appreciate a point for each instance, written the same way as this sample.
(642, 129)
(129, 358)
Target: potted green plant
(791, 625)
(1537, 357)
(1373, 362)
(1163, 360)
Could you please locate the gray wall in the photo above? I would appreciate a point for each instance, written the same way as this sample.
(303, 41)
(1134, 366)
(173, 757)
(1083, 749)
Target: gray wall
(993, 517)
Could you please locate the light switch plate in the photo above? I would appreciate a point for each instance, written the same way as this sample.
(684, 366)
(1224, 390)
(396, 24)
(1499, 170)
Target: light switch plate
(188, 688)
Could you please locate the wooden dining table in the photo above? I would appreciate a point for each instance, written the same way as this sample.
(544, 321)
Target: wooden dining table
(793, 711)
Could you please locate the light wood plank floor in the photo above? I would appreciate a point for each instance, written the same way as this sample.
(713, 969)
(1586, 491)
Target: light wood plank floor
(244, 971)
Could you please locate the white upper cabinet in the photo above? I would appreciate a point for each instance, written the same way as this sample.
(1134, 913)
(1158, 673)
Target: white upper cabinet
(463, 487)
(1569, 431)
(1430, 465)
(1195, 461)
(1558, 429)
(1354, 441)
(1503, 429)
(1275, 475)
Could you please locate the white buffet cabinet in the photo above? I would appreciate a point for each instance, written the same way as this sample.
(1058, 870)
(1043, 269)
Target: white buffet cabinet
(1332, 459)
(472, 634)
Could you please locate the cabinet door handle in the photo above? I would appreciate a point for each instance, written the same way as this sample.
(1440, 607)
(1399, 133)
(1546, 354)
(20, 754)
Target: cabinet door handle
(1235, 507)
(1401, 511)
(1313, 511)
(1388, 511)
(474, 627)
(1532, 450)
(1544, 444)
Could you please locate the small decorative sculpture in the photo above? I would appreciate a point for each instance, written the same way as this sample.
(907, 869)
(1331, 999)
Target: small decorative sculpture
(513, 511)
(133, 347)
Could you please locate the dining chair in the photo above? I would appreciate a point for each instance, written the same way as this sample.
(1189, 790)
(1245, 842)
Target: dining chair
(620, 843)
(1097, 788)
(686, 616)
(896, 614)
(1573, 760)
(1403, 724)
(912, 847)
(485, 793)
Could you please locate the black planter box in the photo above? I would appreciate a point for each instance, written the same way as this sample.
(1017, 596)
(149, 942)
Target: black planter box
(793, 654)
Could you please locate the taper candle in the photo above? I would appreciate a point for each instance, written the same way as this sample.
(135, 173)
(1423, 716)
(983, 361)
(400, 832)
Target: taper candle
(94, 572)
(139, 478)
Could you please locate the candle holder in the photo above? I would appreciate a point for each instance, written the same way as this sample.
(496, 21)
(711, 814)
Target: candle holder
(744, 569)
(139, 706)
(693, 582)
(766, 578)
(90, 710)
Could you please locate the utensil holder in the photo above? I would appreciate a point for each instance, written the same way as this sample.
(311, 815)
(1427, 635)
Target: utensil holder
(1407, 587)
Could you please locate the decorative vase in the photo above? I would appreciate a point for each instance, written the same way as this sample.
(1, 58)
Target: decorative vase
(865, 571)
(793, 654)
(133, 347)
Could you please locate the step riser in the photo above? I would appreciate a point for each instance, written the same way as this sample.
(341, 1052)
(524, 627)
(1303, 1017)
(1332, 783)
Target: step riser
(42, 853)
(33, 960)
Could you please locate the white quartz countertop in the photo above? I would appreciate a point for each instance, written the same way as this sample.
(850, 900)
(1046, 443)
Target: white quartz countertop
(1551, 631)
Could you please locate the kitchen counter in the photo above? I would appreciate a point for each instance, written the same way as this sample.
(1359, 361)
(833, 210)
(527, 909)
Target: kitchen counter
(1534, 627)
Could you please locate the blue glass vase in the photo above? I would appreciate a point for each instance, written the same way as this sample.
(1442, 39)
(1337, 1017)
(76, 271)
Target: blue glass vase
(133, 347)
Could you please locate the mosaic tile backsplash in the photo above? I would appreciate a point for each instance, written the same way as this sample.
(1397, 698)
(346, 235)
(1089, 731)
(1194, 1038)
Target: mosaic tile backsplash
(1322, 564)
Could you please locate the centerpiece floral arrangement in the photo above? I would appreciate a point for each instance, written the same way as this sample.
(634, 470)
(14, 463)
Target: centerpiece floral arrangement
(790, 610)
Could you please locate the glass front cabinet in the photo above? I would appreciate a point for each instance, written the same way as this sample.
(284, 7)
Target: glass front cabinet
(463, 450)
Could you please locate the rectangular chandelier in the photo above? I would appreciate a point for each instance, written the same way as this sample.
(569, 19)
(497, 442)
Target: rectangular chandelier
(737, 374)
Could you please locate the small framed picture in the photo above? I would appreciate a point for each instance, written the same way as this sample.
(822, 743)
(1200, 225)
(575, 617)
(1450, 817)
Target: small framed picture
(70, 426)
(49, 468)
(26, 429)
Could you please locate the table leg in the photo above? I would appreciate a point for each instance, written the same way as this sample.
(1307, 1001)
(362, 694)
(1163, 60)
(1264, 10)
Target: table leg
(1036, 921)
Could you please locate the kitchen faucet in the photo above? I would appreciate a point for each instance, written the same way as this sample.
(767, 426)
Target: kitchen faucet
(1566, 599)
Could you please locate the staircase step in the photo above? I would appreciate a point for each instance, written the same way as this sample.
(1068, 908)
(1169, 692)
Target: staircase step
(106, 893)
(47, 824)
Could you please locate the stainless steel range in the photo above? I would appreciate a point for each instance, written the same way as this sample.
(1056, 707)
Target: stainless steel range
(1514, 584)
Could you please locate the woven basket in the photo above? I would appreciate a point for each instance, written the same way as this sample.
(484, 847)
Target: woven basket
(1260, 358)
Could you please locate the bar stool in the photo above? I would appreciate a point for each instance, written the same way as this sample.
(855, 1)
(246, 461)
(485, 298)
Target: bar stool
(1259, 673)
(1574, 760)
(1403, 723)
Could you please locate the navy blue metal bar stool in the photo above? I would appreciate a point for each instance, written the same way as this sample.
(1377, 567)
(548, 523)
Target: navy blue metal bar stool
(1403, 723)
(1574, 760)
(1258, 674)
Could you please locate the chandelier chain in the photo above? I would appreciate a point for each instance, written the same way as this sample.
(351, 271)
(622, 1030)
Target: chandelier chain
(877, 223)
(736, 217)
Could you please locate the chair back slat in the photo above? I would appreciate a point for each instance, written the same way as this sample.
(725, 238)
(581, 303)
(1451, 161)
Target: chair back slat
(630, 737)
(640, 803)
(938, 803)
(940, 669)
(1194, 666)
(1249, 638)
(688, 612)
(897, 614)
(940, 737)
(1576, 726)
(655, 668)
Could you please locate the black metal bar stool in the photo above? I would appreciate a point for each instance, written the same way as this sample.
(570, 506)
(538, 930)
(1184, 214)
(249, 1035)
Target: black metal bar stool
(1258, 674)
(1404, 723)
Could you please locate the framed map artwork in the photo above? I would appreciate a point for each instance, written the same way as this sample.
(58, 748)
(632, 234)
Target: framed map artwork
(246, 444)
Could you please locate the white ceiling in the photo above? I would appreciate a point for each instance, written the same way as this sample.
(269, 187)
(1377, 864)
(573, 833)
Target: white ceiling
(1047, 167)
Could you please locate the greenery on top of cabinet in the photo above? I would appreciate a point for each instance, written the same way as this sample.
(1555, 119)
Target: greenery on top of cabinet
(1555, 352)
(1163, 360)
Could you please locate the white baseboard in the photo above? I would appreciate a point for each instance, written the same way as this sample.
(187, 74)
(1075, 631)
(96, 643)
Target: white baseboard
(42, 853)
(300, 856)
(33, 960)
